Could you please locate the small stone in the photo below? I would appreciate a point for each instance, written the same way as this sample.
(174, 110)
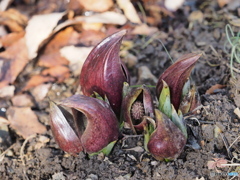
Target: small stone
(22, 100)
(58, 176)
(100, 156)
(130, 60)
(216, 33)
(139, 143)
(196, 16)
(41, 91)
(154, 163)
(145, 76)
(92, 177)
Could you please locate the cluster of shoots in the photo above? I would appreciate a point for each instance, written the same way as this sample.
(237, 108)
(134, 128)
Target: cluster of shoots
(234, 41)
(109, 100)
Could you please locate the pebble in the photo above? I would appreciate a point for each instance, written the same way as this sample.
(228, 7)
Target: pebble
(145, 76)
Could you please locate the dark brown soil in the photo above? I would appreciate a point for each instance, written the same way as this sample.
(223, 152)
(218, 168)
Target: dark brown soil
(40, 157)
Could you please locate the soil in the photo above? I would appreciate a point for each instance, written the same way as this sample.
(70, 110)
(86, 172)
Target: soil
(212, 130)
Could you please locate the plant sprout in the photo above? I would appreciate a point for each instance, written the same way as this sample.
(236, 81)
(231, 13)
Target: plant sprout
(234, 41)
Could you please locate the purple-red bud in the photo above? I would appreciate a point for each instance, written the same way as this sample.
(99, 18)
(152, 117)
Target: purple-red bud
(104, 72)
(167, 141)
(94, 124)
(176, 76)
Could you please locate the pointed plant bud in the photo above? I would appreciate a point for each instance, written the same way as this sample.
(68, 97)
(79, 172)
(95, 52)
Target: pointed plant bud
(94, 124)
(190, 101)
(104, 72)
(136, 105)
(178, 120)
(165, 105)
(167, 141)
(63, 129)
(176, 76)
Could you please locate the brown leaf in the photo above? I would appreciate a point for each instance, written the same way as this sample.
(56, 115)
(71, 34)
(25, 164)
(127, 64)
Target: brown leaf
(65, 37)
(76, 57)
(37, 80)
(24, 121)
(96, 5)
(13, 19)
(222, 3)
(43, 25)
(129, 11)
(218, 162)
(52, 59)
(59, 72)
(92, 26)
(214, 87)
(11, 38)
(144, 29)
(91, 37)
(51, 55)
(12, 62)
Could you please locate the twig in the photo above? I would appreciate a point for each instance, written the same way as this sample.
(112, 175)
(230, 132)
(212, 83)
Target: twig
(225, 141)
(130, 136)
(234, 142)
(23, 146)
(22, 154)
(233, 68)
(5, 152)
(235, 164)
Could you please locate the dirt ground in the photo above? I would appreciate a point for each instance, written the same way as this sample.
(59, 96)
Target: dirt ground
(213, 130)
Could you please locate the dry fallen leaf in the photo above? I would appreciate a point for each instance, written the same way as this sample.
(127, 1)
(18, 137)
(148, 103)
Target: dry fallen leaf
(91, 37)
(13, 19)
(173, 5)
(43, 25)
(215, 87)
(24, 121)
(59, 72)
(62, 38)
(129, 11)
(3, 120)
(76, 57)
(92, 26)
(4, 4)
(96, 5)
(7, 91)
(222, 3)
(37, 80)
(52, 59)
(11, 38)
(217, 163)
(237, 112)
(144, 29)
(235, 22)
(12, 62)
(108, 17)
(51, 56)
